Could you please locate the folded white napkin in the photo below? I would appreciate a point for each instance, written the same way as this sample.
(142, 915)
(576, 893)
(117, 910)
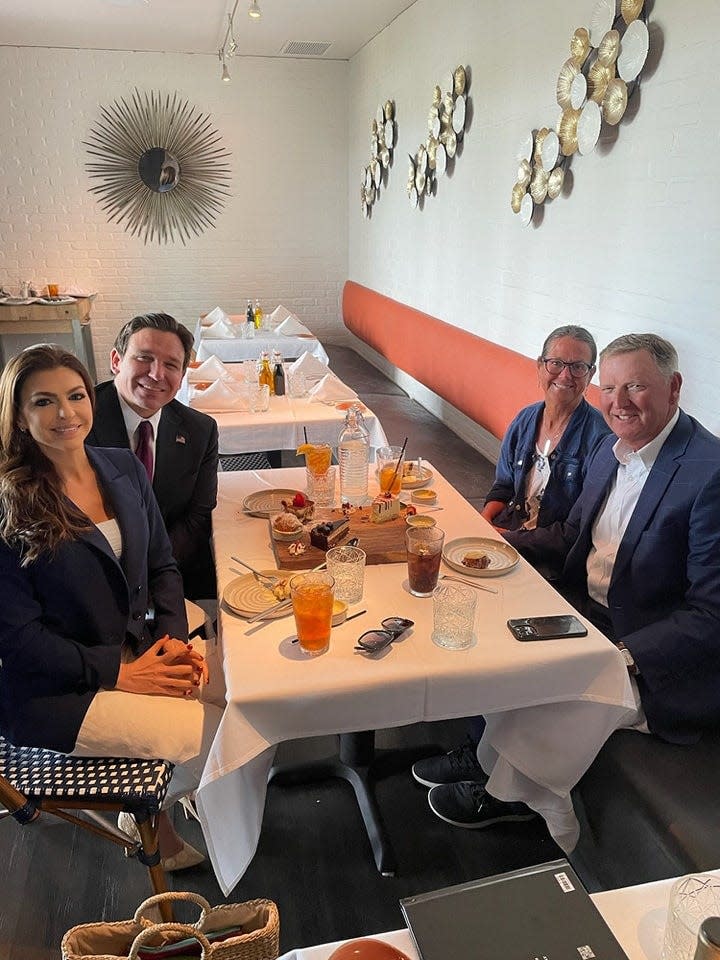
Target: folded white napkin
(309, 365)
(210, 369)
(219, 396)
(215, 314)
(218, 331)
(330, 389)
(291, 327)
(278, 315)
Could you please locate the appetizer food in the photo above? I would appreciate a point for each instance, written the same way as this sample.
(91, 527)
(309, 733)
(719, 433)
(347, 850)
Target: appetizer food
(326, 535)
(476, 560)
(384, 508)
(287, 523)
(300, 506)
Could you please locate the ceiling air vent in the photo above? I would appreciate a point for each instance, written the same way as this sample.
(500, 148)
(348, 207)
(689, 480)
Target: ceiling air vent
(305, 48)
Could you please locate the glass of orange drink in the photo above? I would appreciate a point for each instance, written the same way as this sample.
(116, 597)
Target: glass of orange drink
(320, 478)
(390, 469)
(312, 600)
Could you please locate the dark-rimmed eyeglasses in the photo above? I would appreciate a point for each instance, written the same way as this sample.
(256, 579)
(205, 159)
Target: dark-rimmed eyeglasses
(578, 368)
(373, 641)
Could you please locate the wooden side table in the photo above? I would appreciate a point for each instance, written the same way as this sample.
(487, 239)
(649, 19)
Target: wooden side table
(41, 319)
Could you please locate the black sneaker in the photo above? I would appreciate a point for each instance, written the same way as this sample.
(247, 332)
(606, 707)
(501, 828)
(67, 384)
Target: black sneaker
(458, 764)
(467, 804)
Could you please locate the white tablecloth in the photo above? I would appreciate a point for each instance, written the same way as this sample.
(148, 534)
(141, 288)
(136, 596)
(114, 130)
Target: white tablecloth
(636, 915)
(550, 706)
(230, 351)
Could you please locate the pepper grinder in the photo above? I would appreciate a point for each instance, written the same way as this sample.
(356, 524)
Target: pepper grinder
(708, 943)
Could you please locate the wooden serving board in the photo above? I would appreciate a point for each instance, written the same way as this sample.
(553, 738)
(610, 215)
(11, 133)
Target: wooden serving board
(382, 542)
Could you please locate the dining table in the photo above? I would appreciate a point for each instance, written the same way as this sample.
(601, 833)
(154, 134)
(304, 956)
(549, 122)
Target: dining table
(549, 706)
(240, 347)
(288, 421)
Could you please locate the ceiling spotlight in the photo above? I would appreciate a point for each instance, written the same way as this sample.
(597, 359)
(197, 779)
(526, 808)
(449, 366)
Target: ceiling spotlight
(254, 10)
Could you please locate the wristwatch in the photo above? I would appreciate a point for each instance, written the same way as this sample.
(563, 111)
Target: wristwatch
(633, 668)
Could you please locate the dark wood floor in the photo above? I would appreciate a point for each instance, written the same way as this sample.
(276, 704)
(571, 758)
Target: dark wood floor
(314, 859)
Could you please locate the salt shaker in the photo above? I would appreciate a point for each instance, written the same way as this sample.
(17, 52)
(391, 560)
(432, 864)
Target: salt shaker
(25, 289)
(708, 943)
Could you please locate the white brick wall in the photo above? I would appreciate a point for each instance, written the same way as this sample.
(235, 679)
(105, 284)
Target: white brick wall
(635, 247)
(281, 237)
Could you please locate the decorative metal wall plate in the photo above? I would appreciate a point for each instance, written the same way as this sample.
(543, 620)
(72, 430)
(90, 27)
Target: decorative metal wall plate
(446, 126)
(162, 167)
(592, 89)
(382, 142)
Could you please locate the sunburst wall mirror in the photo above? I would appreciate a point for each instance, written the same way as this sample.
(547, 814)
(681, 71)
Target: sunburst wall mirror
(162, 168)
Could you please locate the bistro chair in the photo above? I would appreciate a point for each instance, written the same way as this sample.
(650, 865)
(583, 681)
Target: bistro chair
(78, 789)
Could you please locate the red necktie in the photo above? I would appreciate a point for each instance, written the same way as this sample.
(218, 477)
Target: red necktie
(144, 450)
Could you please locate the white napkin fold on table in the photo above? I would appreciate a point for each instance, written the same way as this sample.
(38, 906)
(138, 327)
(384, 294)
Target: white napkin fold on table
(309, 365)
(210, 369)
(216, 398)
(217, 313)
(218, 331)
(291, 327)
(279, 314)
(330, 389)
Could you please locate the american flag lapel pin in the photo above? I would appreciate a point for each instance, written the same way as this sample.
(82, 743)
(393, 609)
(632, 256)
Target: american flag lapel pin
(179, 438)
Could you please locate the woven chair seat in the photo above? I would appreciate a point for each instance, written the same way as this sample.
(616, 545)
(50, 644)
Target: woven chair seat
(230, 462)
(44, 774)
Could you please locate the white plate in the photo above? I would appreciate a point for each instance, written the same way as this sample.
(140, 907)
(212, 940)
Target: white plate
(263, 503)
(578, 91)
(502, 556)
(526, 210)
(588, 128)
(550, 151)
(246, 596)
(412, 481)
(601, 21)
(634, 45)
(458, 119)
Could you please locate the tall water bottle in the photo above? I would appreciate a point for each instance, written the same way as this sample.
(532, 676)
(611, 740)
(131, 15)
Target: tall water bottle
(353, 457)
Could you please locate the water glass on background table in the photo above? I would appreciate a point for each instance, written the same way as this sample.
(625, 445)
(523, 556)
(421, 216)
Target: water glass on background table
(389, 462)
(297, 385)
(347, 566)
(259, 398)
(424, 553)
(692, 900)
(312, 600)
(453, 615)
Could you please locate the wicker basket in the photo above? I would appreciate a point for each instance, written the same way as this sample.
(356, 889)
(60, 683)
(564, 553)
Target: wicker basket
(259, 939)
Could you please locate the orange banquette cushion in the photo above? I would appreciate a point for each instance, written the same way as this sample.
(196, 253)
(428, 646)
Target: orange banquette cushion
(487, 382)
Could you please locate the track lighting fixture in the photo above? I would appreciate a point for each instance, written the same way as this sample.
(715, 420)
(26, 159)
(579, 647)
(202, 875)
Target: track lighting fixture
(254, 11)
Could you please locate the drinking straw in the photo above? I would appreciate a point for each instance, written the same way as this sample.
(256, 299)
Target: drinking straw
(305, 434)
(397, 466)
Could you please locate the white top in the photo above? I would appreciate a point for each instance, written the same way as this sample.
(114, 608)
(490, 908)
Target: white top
(537, 480)
(112, 533)
(614, 516)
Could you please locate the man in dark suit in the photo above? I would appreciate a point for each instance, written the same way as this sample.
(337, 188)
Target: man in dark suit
(178, 445)
(640, 553)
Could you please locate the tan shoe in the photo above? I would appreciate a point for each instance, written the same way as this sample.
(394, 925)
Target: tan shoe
(185, 858)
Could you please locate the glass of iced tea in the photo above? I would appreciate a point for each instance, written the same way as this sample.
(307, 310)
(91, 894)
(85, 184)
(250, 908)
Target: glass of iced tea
(389, 462)
(312, 600)
(424, 553)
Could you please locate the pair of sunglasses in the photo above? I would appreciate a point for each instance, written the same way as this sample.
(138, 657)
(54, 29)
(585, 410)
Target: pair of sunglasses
(373, 641)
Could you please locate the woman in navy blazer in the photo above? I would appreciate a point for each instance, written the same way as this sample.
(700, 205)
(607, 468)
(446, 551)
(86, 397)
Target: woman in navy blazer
(84, 556)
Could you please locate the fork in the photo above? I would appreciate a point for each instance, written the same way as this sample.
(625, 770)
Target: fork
(469, 583)
(263, 579)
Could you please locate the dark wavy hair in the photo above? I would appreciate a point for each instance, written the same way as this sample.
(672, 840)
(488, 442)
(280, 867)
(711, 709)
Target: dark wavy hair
(35, 515)
(156, 321)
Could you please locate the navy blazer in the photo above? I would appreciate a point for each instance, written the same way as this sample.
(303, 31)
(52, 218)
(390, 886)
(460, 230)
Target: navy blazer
(185, 480)
(64, 618)
(664, 593)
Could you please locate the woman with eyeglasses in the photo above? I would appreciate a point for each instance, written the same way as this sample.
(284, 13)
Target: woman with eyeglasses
(540, 471)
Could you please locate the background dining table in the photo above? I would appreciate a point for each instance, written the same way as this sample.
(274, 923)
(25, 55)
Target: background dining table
(549, 706)
(238, 348)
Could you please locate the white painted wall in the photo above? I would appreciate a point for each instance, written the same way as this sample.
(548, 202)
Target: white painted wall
(636, 245)
(281, 237)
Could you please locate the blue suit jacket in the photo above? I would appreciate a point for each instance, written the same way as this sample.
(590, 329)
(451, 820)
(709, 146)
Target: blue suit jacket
(64, 618)
(664, 594)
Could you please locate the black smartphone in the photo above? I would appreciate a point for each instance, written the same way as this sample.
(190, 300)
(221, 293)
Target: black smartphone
(546, 628)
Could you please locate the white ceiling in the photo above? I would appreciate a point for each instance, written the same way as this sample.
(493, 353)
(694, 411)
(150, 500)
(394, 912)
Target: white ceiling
(195, 26)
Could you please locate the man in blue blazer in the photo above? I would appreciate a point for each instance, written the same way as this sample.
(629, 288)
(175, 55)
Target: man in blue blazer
(149, 359)
(640, 557)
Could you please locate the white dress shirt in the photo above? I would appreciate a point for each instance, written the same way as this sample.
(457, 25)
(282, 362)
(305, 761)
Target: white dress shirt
(634, 467)
(133, 421)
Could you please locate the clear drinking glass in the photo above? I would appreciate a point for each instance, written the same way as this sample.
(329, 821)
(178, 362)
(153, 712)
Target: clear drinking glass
(692, 900)
(297, 385)
(259, 398)
(424, 553)
(312, 600)
(389, 461)
(453, 615)
(347, 566)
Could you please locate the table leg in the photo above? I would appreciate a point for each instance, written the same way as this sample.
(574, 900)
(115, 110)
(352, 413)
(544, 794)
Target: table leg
(358, 764)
